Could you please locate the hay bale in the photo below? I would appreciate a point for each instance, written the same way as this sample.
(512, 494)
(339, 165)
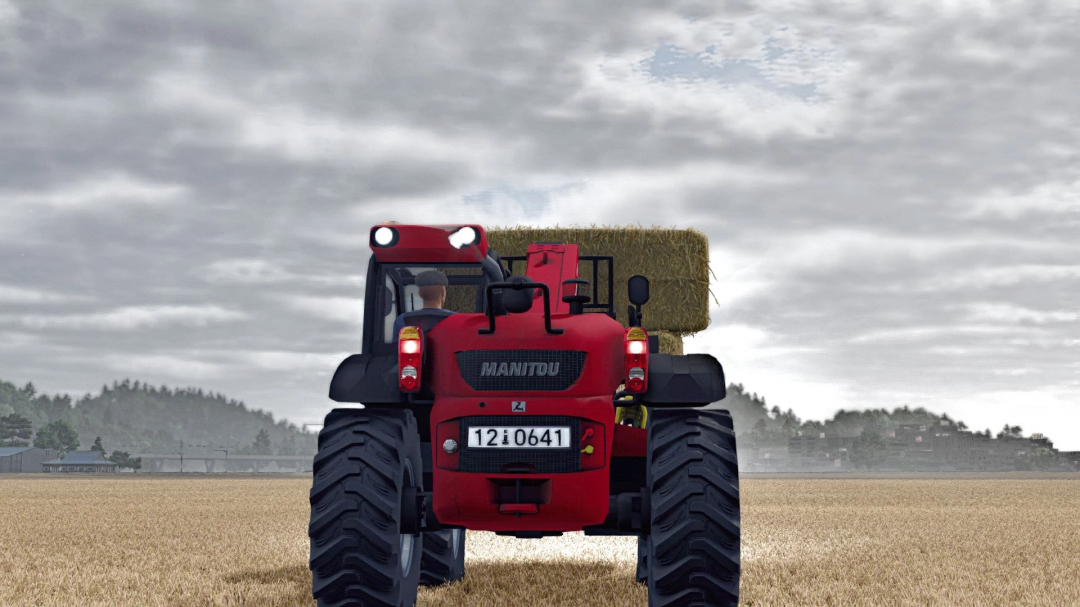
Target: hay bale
(670, 343)
(675, 261)
(460, 298)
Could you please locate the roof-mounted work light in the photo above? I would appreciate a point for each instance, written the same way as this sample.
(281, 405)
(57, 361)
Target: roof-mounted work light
(463, 237)
(384, 236)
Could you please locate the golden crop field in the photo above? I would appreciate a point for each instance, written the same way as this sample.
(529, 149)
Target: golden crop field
(191, 541)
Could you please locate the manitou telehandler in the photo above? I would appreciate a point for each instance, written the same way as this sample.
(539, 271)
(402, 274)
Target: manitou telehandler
(502, 417)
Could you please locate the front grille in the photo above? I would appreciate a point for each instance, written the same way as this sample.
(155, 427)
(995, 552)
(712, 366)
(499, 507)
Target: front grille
(543, 461)
(518, 370)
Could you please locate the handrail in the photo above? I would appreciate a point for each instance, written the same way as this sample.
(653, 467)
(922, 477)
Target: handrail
(596, 304)
(517, 286)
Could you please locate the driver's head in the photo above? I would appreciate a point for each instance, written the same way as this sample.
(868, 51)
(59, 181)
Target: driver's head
(432, 286)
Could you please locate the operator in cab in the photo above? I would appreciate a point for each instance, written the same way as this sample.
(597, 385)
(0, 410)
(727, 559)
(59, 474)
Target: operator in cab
(432, 286)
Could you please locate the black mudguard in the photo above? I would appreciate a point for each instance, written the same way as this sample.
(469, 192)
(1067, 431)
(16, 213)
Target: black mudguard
(681, 380)
(363, 378)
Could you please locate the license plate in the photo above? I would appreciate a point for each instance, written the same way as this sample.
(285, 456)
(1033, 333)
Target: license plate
(518, 437)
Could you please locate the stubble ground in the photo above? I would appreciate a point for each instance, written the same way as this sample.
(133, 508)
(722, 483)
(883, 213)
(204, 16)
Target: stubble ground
(157, 540)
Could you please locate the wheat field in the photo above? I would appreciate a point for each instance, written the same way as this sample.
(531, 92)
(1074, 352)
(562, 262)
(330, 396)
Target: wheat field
(192, 541)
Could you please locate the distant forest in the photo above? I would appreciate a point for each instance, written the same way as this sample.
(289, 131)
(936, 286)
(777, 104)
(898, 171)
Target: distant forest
(140, 418)
(758, 424)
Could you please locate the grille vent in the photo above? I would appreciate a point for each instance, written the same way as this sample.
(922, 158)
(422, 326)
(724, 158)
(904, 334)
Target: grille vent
(519, 370)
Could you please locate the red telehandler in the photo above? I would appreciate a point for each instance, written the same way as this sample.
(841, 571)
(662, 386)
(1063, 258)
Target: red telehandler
(502, 417)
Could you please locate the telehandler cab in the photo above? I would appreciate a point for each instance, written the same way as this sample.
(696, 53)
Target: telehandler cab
(509, 416)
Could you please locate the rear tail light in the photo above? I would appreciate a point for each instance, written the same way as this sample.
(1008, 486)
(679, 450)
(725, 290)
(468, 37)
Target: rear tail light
(637, 360)
(410, 359)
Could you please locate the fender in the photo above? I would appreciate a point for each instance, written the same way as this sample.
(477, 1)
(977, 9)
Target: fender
(363, 378)
(681, 380)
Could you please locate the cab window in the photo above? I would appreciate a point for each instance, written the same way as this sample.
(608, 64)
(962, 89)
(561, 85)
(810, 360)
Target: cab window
(464, 293)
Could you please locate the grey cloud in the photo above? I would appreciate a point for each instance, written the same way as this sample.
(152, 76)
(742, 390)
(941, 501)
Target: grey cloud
(245, 271)
(1012, 313)
(348, 310)
(15, 295)
(130, 318)
(1001, 276)
(860, 170)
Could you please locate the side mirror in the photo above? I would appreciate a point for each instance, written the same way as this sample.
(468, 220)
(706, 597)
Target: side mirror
(637, 289)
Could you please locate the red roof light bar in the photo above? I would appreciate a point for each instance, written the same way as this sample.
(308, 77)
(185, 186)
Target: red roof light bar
(398, 243)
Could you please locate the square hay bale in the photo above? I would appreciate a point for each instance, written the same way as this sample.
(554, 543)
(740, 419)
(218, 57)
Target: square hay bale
(670, 343)
(460, 298)
(675, 261)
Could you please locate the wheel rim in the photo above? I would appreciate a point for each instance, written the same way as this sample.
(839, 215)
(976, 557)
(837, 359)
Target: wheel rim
(407, 539)
(455, 539)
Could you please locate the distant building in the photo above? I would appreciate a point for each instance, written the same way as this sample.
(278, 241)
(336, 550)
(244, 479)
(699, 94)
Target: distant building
(80, 461)
(765, 458)
(938, 445)
(814, 451)
(23, 459)
(1071, 458)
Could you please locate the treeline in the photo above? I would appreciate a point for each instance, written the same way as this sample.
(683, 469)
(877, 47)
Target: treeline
(756, 424)
(141, 418)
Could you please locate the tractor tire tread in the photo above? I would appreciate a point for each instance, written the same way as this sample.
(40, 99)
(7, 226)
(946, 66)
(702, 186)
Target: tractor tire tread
(355, 541)
(440, 564)
(692, 557)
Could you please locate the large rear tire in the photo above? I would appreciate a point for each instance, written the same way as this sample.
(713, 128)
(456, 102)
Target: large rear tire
(368, 461)
(692, 556)
(444, 557)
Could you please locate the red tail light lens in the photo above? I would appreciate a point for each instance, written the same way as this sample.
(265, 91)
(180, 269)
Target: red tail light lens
(637, 360)
(410, 359)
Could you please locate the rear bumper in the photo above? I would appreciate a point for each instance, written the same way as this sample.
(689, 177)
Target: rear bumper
(549, 500)
(533, 502)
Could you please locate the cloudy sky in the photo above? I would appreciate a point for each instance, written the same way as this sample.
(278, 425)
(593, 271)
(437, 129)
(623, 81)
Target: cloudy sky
(891, 190)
